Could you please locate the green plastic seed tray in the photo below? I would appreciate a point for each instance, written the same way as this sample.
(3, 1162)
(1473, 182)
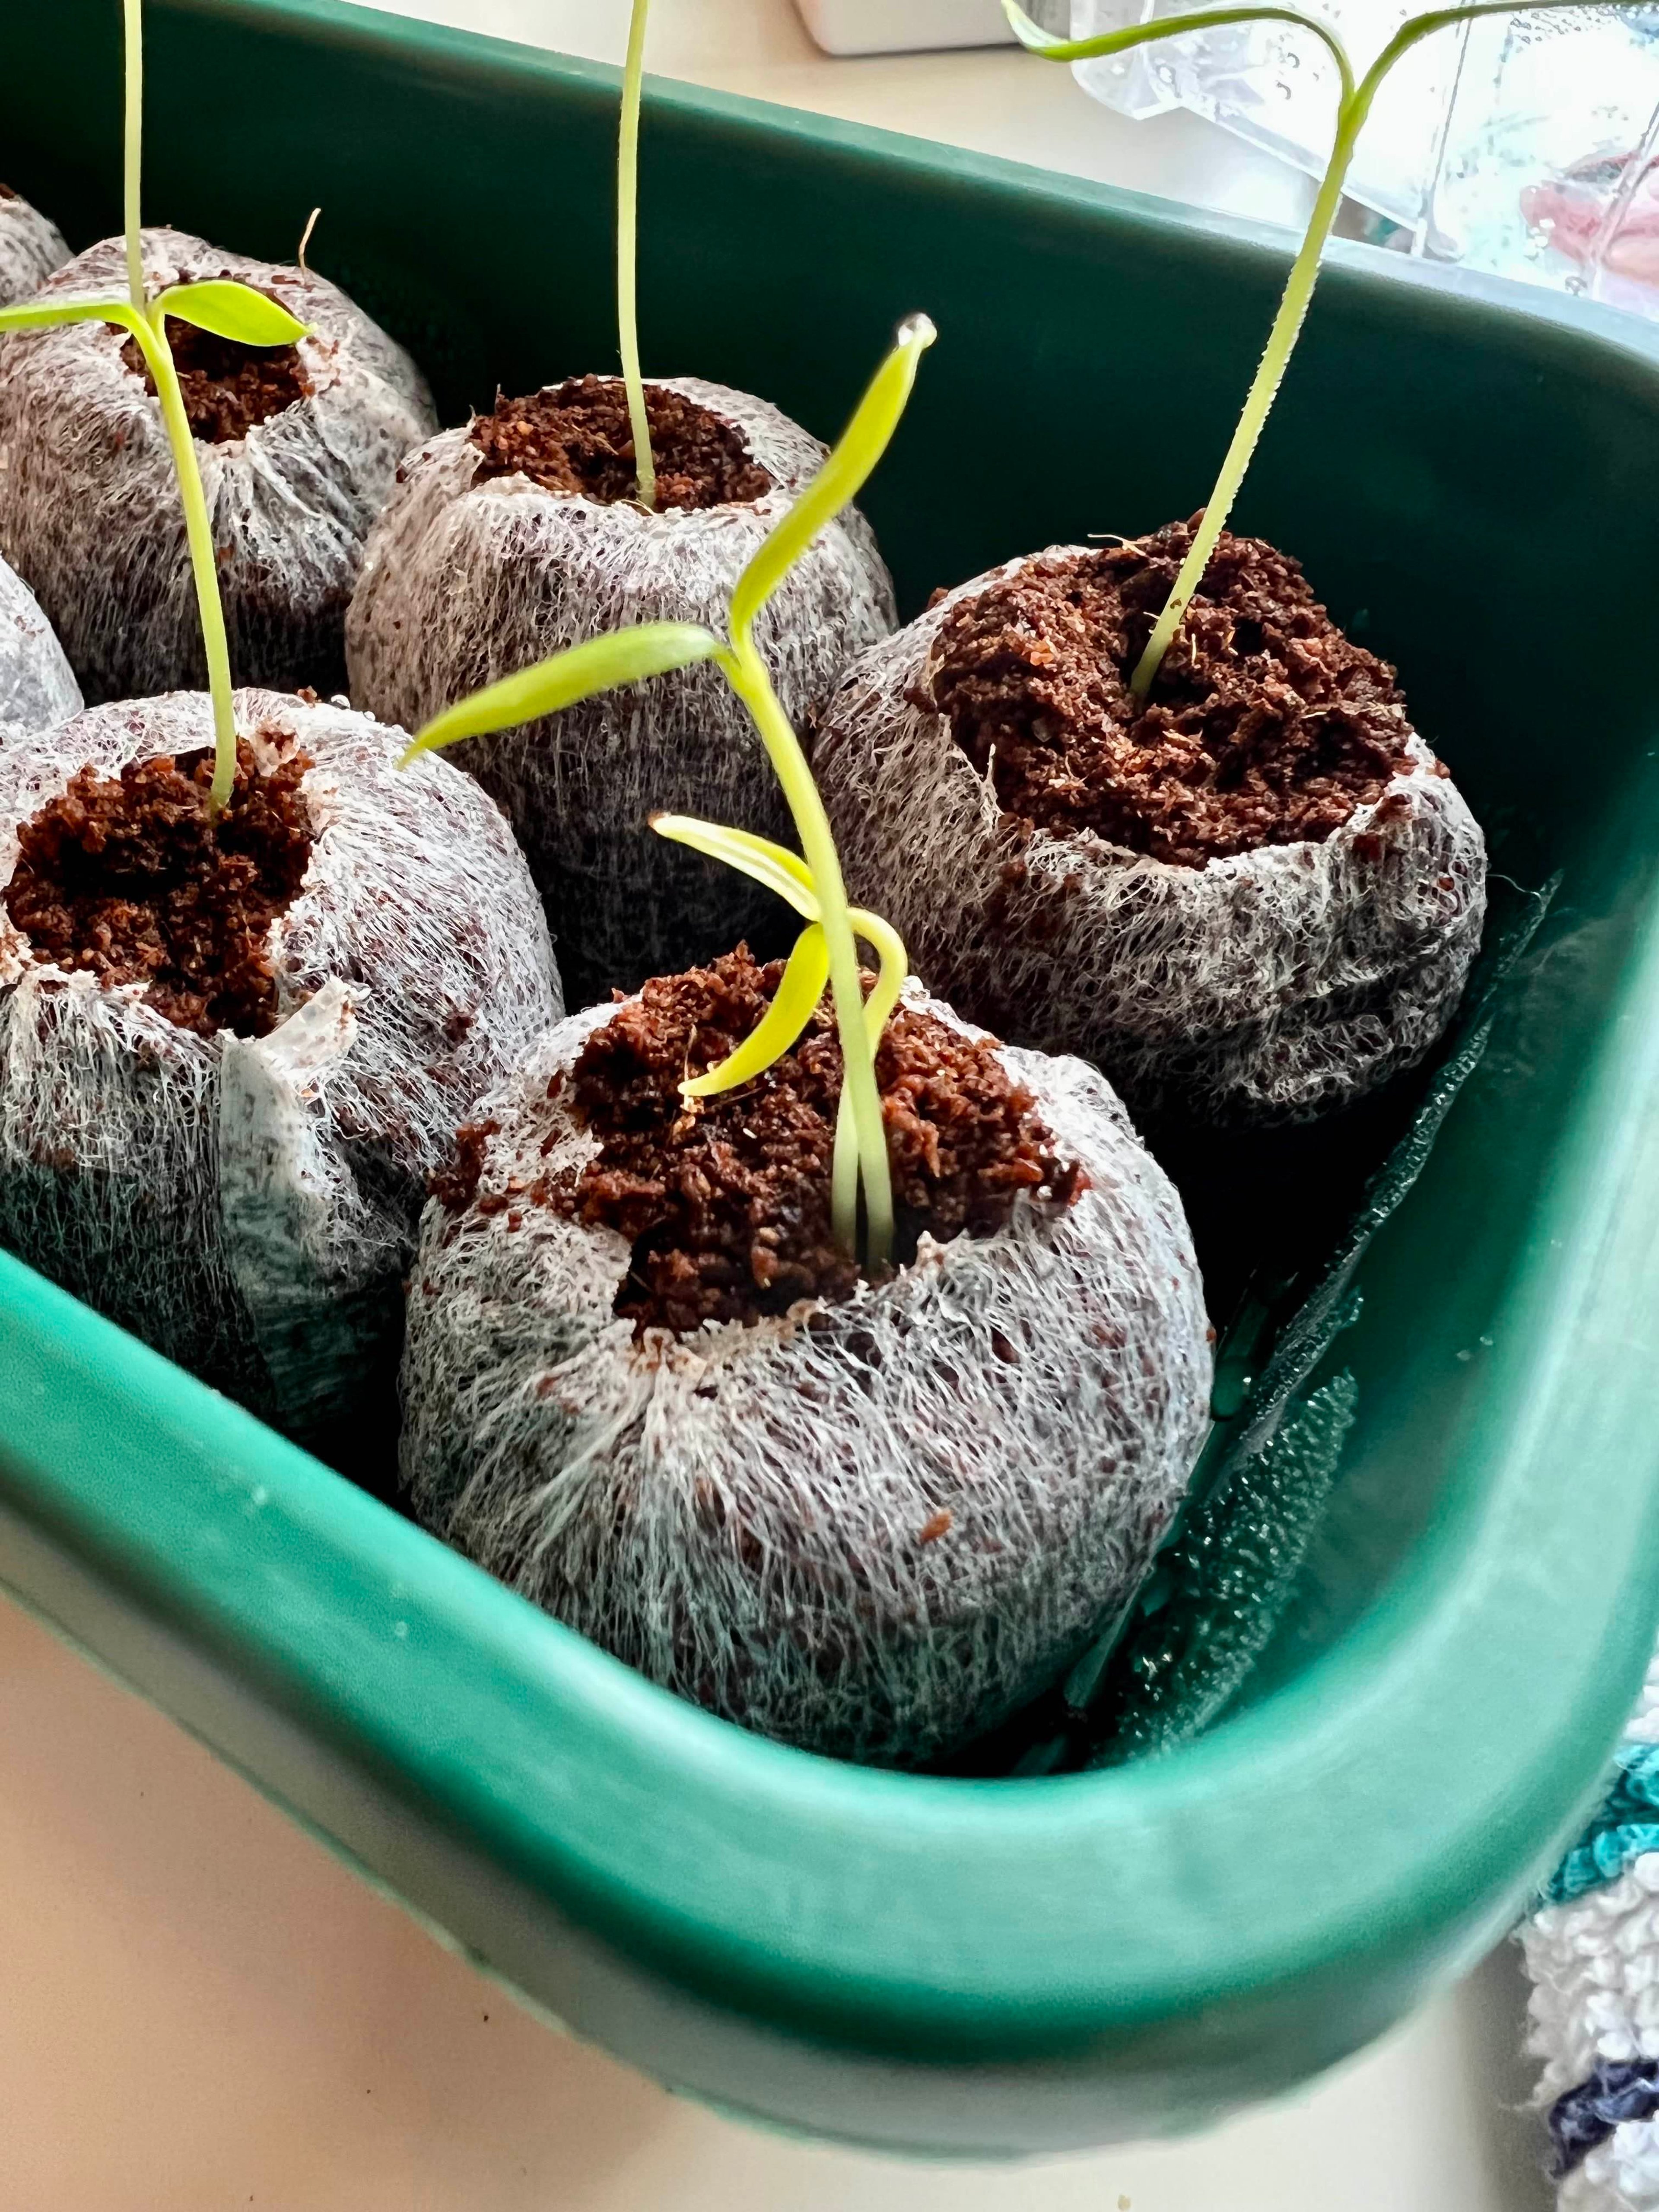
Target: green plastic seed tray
(1313, 1779)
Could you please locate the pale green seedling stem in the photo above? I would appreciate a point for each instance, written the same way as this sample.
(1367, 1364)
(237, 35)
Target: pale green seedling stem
(132, 20)
(812, 881)
(148, 325)
(1353, 109)
(203, 560)
(868, 1163)
(841, 476)
(801, 986)
(805, 973)
(627, 229)
(1264, 390)
(146, 328)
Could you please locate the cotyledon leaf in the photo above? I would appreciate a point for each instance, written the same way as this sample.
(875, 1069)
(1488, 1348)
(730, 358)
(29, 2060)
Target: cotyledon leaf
(800, 989)
(233, 311)
(624, 656)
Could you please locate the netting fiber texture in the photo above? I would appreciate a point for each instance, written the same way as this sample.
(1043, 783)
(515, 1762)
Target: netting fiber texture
(468, 581)
(1271, 986)
(31, 247)
(37, 685)
(248, 1207)
(870, 1528)
(89, 507)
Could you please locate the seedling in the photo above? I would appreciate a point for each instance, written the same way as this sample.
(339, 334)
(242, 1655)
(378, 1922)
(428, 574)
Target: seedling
(810, 881)
(1353, 107)
(226, 309)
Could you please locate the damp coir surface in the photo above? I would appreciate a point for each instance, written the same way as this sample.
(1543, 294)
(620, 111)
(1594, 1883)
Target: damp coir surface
(725, 1202)
(1265, 724)
(125, 878)
(576, 437)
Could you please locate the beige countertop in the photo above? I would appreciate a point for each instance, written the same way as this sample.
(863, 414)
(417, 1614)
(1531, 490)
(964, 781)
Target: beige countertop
(995, 100)
(200, 2009)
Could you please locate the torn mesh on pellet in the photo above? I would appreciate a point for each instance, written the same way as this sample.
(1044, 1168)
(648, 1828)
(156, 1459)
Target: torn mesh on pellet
(37, 685)
(248, 1207)
(466, 582)
(1268, 986)
(90, 506)
(31, 247)
(741, 1513)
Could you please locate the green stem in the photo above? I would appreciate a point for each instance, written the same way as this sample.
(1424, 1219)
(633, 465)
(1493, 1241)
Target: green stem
(204, 561)
(1352, 114)
(147, 328)
(628, 210)
(132, 16)
(150, 331)
(1269, 375)
(867, 1158)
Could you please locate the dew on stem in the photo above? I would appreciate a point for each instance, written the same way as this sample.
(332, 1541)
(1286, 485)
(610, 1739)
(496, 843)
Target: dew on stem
(1354, 105)
(227, 310)
(810, 880)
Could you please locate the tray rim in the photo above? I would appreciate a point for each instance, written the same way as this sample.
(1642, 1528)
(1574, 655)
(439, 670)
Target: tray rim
(718, 1900)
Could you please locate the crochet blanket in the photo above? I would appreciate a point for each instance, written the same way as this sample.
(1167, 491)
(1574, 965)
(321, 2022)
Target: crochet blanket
(1592, 1950)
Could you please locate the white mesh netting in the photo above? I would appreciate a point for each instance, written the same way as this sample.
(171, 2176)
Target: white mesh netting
(249, 1206)
(466, 582)
(31, 247)
(37, 685)
(1270, 987)
(89, 510)
(745, 1515)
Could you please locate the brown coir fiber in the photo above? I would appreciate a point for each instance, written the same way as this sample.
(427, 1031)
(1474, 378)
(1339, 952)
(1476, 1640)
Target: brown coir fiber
(576, 437)
(870, 1526)
(226, 388)
(725, 1201)
(1266, 726)
(124, 878)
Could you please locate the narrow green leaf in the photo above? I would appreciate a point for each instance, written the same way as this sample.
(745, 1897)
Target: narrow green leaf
(602, 664)
(232, 311)
(1442, 19)
(1036, 40)
(800, 989)
(38, 315)
(781, 872)
(841, 479)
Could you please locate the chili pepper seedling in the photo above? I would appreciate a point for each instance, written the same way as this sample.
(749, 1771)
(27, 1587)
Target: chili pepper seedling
(227, 310)
(1354, 105)
(810, 881)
